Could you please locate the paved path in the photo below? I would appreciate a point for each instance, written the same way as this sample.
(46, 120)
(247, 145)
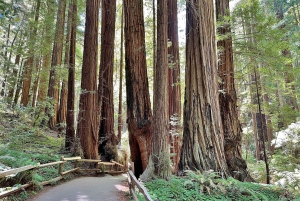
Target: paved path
(107, 188)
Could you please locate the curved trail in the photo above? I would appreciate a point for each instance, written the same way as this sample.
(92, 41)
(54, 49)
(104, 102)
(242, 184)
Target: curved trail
(107, 188)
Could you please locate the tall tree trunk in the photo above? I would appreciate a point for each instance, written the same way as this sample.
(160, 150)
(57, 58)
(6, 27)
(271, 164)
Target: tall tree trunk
(28, 66)
(62, 111)
(202, 146)
(88, 121)
(120, 120)
(160, 152)
(70, 127)
(47, 49)
(228, 99)
(107, 147)
(137, 89)
(53, 87)
(154, 37)
(174, 82)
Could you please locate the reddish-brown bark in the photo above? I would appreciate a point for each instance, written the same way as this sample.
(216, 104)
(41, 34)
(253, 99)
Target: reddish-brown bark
(28, 66)
(107, 146)
(137, 89)
(54, 85)
(62, 109)
(174, 81)
(160, 152)
(228, 99)
(70, 127)
(202, 145)
(88, 121)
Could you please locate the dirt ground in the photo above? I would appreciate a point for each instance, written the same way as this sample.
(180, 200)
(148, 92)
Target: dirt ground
(107, 188)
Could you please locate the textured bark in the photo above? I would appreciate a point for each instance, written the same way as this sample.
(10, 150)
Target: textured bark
(28, 66)
(107, 147)
(62, 110)
(120, 120)
(228, 99)
(137, 89)
(160, 150)
(53, 88)
(88, 121)
(202, 146)
(70, 127)
(174, 81)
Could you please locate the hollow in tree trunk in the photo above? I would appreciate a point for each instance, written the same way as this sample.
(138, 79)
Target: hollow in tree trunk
(137, 89)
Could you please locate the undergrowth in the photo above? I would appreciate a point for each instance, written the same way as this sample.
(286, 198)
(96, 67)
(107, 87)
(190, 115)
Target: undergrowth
(23, 143)
(209, 186)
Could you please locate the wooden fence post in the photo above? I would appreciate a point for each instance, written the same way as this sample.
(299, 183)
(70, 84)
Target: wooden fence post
(132, 167)
(60, 168)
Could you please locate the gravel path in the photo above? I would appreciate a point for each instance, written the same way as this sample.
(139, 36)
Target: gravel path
(107, 188)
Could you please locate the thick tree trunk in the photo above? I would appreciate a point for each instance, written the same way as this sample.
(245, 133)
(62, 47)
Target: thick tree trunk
(70, 127)
(160, 152)
(108, 147)
(203, 143)
(137, 89)
(228, 99)
(53, 88)
(28, 66)
(174, 82)
(88, 121)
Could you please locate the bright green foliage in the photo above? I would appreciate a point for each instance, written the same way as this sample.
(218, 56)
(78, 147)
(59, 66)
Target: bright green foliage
(210, 186)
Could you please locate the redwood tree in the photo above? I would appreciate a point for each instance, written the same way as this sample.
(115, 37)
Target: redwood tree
(28, 65)
(137, 89)
(109, 141)
(62, 109)
(160, 153)
(53, 88)
(202, 146)
(70, 128)
(88, 126)
(174, 81)
(228, 99)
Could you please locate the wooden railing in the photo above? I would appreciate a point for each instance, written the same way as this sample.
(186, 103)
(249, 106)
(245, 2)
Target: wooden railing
(133, 182)
(103, 167)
